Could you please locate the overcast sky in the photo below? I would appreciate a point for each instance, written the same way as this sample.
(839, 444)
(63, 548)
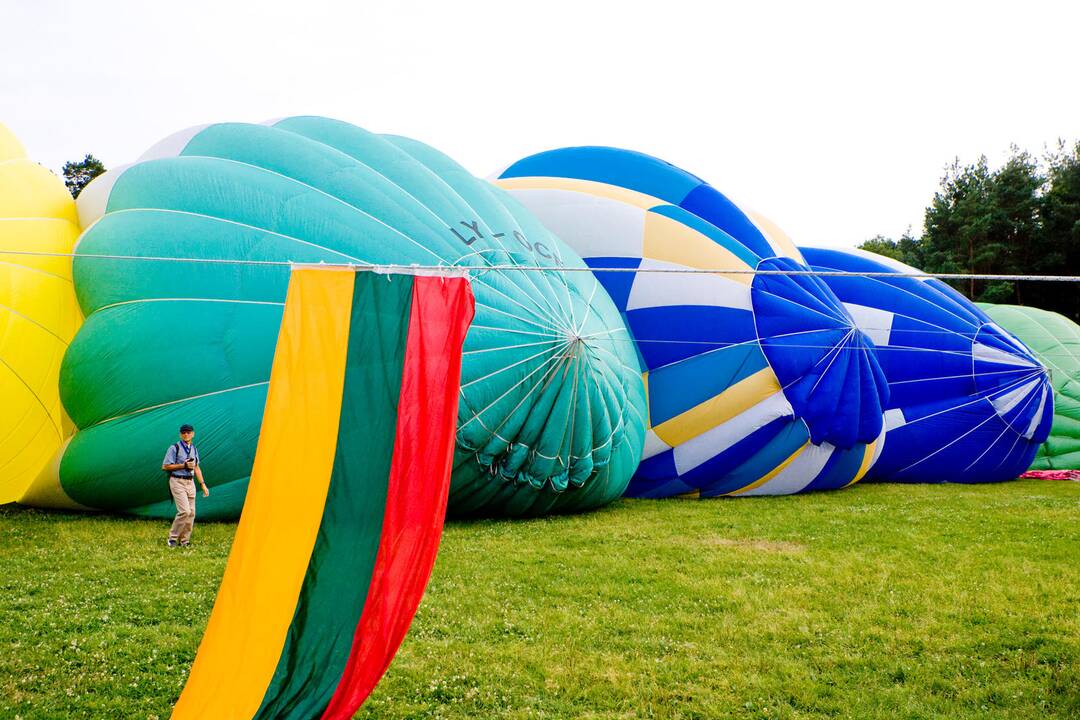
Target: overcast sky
(835, 119)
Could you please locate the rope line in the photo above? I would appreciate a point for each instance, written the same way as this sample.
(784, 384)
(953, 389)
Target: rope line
(560, 269)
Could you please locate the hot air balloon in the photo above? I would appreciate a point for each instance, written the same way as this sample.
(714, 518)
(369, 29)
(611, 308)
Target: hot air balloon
(38, 313)
(968, 401)
(1055, 341)
(757, 382)
(182, 272)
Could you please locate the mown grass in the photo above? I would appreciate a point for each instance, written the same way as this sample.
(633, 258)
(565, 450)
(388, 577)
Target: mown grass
(875, 602)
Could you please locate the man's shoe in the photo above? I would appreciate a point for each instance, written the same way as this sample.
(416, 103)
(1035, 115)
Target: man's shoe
(185, 544)
(172, 543)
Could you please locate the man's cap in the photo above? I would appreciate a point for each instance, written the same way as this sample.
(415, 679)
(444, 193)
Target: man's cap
(186, 428)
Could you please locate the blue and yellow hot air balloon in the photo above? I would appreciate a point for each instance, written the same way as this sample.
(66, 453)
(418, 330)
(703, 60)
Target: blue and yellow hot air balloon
(182, 272)
(969, 402)
(758, 382)
(38, 313)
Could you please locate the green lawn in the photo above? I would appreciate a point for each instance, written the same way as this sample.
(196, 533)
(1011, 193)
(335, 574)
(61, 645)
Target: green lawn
(879, 601)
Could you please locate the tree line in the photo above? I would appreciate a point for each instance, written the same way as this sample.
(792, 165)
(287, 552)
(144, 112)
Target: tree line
(1022, 218)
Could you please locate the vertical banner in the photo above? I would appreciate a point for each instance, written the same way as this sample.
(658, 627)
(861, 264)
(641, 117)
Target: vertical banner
(345, 508)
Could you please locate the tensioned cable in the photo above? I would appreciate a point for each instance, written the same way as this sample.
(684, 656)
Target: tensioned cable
(556, 268)
(390, 267)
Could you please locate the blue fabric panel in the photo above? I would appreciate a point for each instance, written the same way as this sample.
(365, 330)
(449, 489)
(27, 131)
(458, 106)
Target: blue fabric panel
(624, 168)
(720, 237)
(839, 470)
(673, 333)
(787, 437)
(818, 356)
(708, 203)
(656, 477)
(617, 284)
(938, 449)
(931, 301)
(674, 389)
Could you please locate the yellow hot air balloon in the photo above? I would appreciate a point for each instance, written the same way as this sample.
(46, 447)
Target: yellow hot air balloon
(38, 313)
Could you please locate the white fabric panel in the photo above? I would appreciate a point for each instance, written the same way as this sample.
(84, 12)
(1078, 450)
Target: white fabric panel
(665, 289)
(894, 419)
(874, 322)
(94, 198)
(592, 226)
(797, 475)
(1005, 403)
(993, 355)
(1030, 432)
(697, 450)
(653, 445)
(173, 145)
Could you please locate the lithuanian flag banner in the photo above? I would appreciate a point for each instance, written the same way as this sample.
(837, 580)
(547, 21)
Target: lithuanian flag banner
(345, 507)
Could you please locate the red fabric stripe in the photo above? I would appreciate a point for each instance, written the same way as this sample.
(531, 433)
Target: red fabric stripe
(419, 482)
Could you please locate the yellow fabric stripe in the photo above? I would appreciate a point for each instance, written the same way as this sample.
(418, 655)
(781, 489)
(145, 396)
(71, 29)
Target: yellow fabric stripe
(10, 147)
(777, 238)
(39, 235)
(718, 409)
(868, 460)
(668, 240)
(29, 190)
(773, 473)
(284, 506)
(45, 491)
(589, 187)
(692, 495)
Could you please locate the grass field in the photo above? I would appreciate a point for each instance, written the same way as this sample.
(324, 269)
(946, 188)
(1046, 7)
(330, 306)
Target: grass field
(875, 602)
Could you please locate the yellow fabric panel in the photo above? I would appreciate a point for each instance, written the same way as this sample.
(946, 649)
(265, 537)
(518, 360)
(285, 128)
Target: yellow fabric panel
(10, 147)
(771, 474)
(31, 442)
(670, 241)
(284, 505)
(45, 490)
(777, 238)
(51, 235)
(718, 409)
(29, 190)
(38, 317)
(589, 187)
(868, 460)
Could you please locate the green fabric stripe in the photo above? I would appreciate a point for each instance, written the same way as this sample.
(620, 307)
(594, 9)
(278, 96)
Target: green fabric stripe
(335, 587)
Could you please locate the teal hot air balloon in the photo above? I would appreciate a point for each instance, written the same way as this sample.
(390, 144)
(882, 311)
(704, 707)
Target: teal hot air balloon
(1055, 341)
(551, 403)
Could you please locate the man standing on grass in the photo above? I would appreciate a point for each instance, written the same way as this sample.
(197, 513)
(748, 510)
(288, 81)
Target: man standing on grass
(182, 464)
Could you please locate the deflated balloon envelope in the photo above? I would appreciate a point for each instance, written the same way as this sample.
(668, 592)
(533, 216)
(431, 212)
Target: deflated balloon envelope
(969, 402)
(551, 407)
(38, 313)
(757, 384)
(1055, 341)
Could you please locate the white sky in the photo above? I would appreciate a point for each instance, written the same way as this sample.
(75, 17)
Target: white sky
(835, 119)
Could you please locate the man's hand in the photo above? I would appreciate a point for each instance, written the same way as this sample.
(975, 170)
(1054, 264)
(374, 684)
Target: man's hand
(205, 490)
(189, 464)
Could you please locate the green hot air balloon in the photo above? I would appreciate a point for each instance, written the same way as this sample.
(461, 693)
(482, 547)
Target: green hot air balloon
(552, 407)
(1055, 340)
